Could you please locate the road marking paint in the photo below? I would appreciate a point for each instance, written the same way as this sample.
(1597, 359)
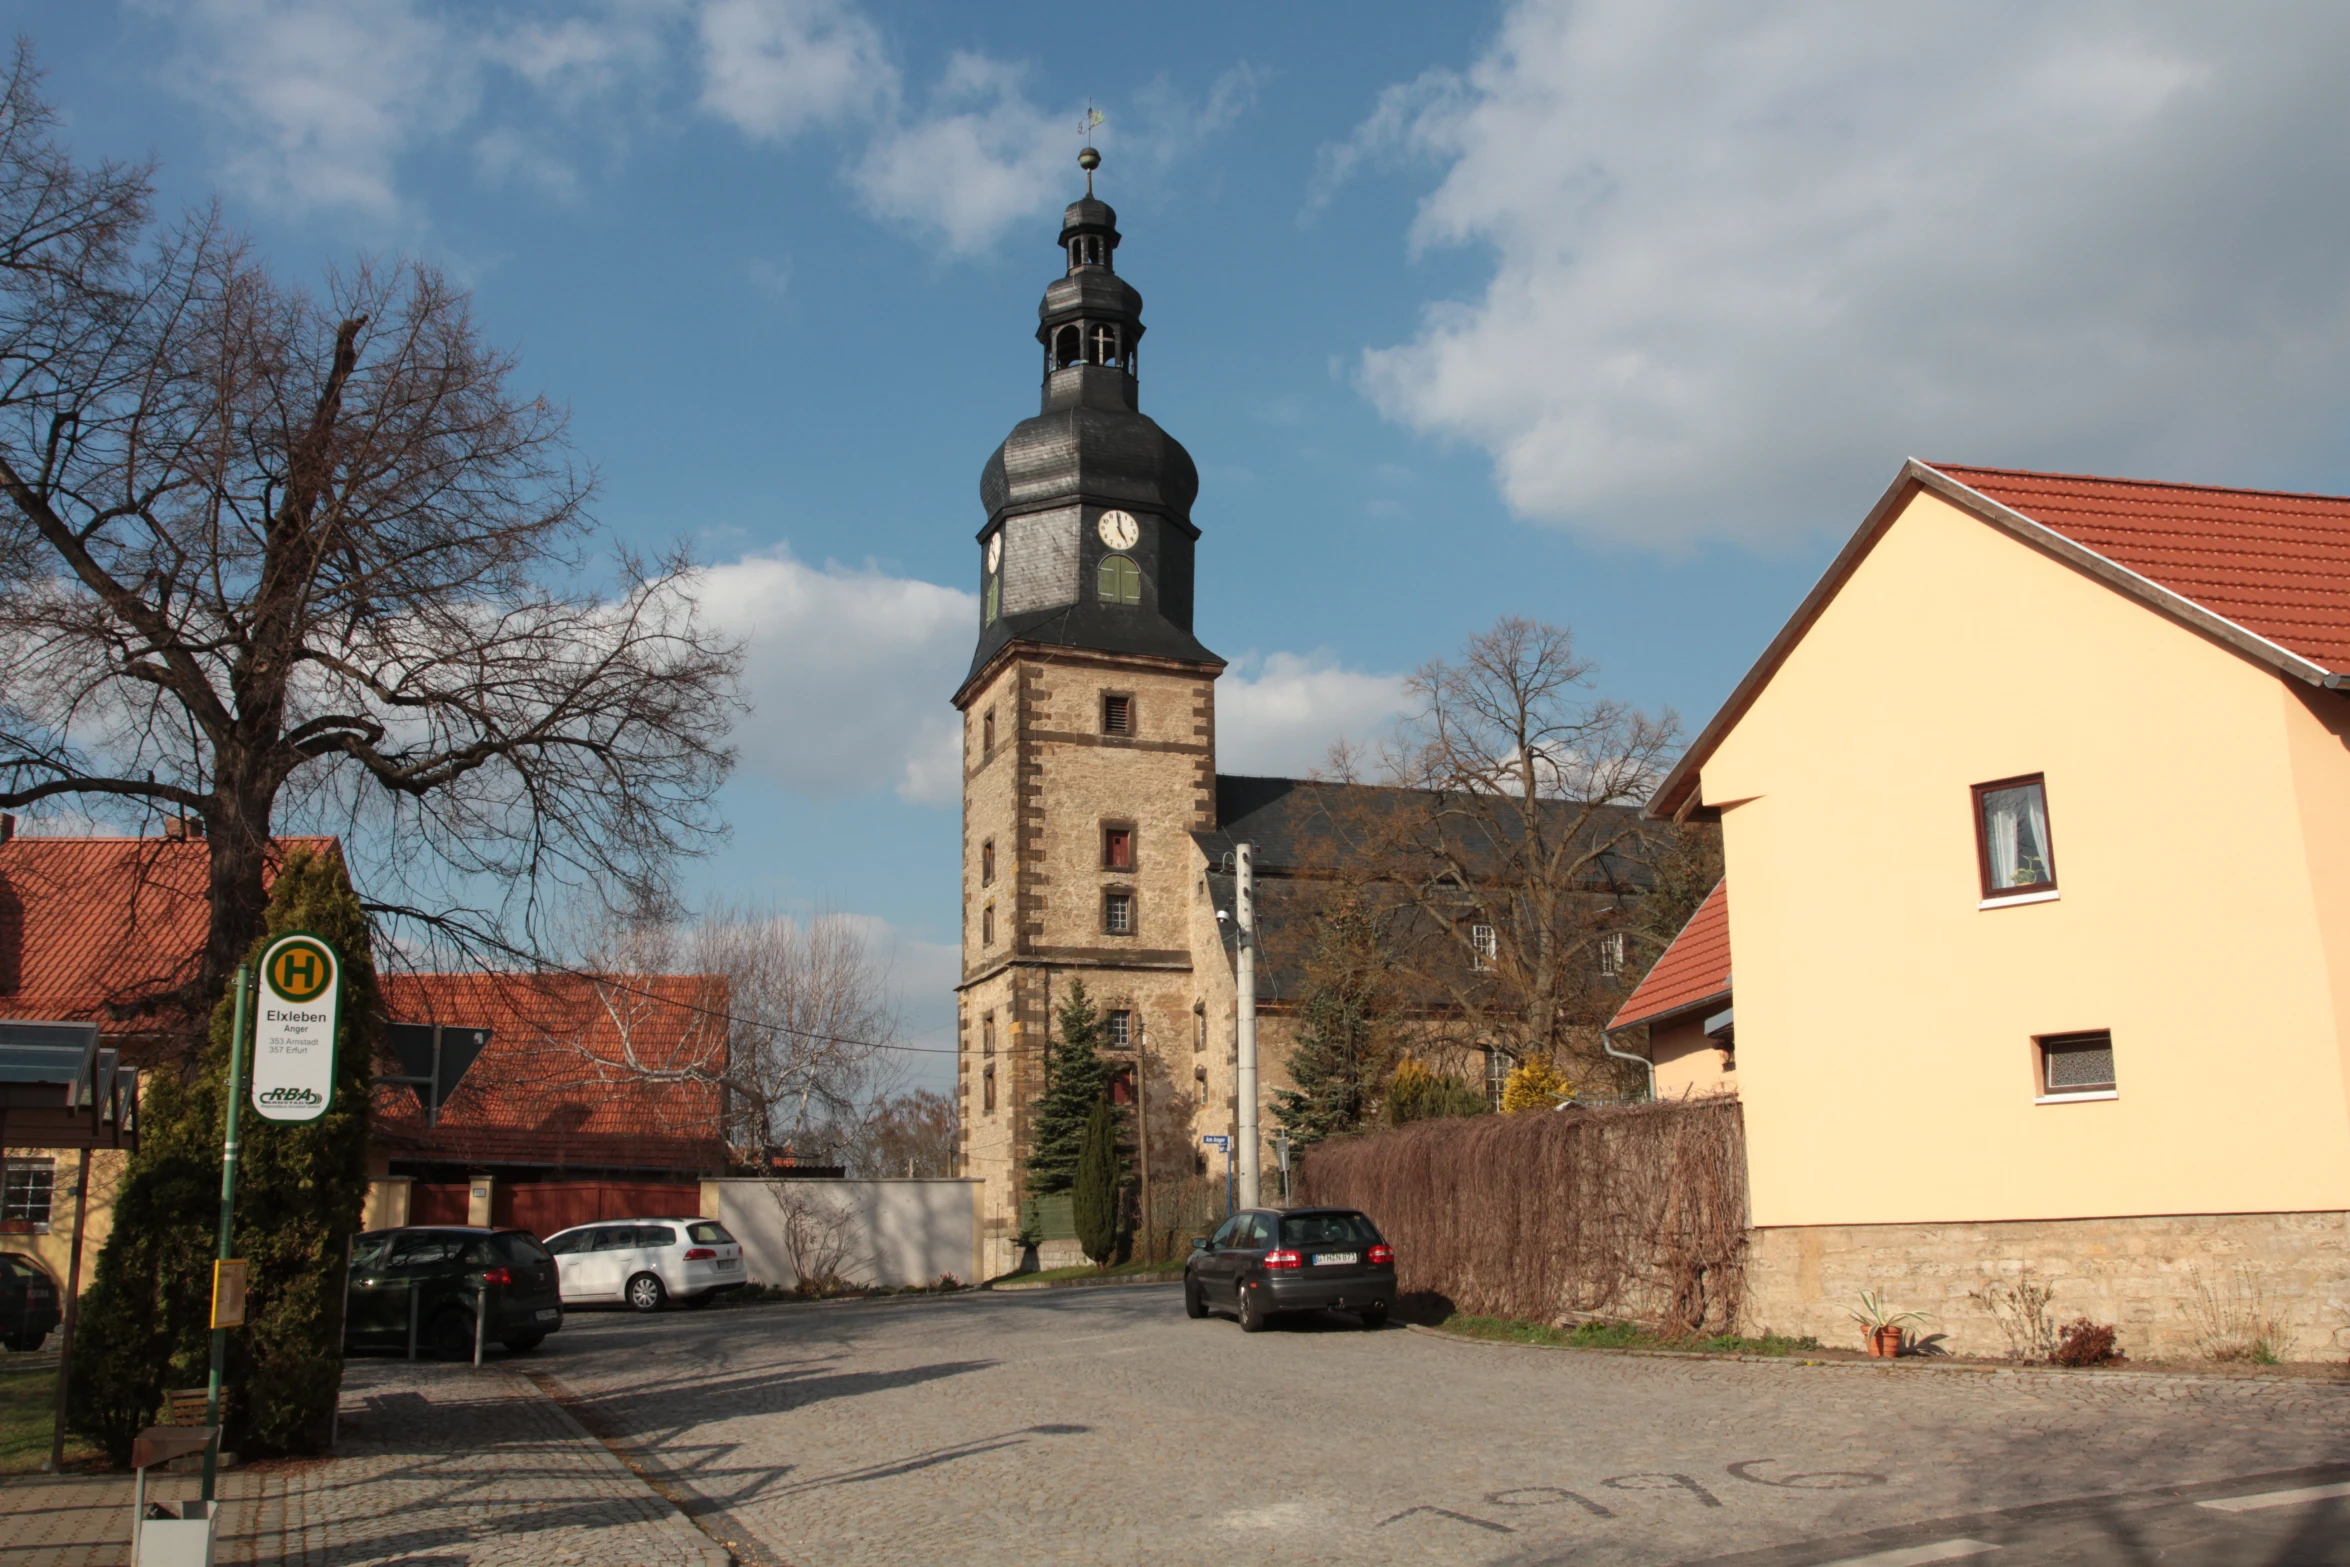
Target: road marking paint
(2246, 1504)
(1917, 1555)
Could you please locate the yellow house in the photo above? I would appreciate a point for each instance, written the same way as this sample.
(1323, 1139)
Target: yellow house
(2038, 817)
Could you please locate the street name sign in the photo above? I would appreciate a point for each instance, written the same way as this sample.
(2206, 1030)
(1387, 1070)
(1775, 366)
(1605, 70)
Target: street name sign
(1217, 1140)
(294, 1038)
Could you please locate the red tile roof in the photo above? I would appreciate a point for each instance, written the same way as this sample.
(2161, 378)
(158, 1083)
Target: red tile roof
(1694, 969)
(2276, 564)
(573, 1072)
(2264, 572)
(91, 926)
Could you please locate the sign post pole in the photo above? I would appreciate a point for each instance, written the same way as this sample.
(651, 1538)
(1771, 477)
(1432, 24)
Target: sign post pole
(228, 1222)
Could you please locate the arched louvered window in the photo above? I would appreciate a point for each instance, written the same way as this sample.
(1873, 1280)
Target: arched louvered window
(1121, 580)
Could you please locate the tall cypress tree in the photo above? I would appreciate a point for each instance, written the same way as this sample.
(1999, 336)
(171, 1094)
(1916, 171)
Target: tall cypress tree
(1076, 1078)
(300, 1191)
(1094, 1202)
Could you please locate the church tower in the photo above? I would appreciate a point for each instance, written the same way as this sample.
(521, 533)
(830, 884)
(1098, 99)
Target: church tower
(1088, 724)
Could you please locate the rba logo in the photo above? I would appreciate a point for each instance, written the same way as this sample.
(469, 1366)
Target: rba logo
(291, 1096)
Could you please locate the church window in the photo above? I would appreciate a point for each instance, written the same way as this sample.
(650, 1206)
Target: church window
(987, 735)
(1484, 946)
(1118, 913)
(1121, 1028)
(1117, 715)
(987, 863)
(1199, 1085)
(987, 1089)
(1119, 580)
(1117, 848)
(1068, 347)
(987, 925)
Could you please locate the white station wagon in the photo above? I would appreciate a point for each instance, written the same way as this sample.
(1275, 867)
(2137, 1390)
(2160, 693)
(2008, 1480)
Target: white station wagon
(646, 1263)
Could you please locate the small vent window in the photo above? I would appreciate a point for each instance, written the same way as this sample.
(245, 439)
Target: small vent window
(1117, 715)
(987, 735)
(987, 863)
(987, 1035)
(987, 926)
(1120, 580)
(987, 1089)
(2076, 1064)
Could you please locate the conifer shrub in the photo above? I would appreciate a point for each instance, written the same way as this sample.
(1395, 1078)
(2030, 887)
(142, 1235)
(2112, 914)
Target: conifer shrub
(1534, 1084)
(301, 1188)
(1095, 1198)
(1076, 1078)
(1345, 1039)
(1416, 1094)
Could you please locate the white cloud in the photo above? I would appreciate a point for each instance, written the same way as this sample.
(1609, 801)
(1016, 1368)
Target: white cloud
(1746, 258)
(323, 98)
(773, 68)
(1276, 715)
(983, 159)
(848, 675)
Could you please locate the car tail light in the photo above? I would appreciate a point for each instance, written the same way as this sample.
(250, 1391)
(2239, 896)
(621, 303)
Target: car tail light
(1283, 1259)
(701, 1254)
(1382, 1255)
(497, 1275)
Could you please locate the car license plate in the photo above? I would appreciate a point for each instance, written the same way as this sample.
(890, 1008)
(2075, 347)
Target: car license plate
(548, 1314)
(729, 1262)
(1337, 1256)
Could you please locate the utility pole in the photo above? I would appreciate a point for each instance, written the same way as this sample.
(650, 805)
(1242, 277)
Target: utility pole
(1244, 914)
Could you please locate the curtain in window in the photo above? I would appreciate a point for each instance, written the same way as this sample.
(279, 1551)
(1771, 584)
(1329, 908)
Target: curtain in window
(2015, 831)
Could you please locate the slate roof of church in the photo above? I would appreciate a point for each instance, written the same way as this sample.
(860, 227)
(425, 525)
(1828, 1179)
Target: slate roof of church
(2264, 572)
(556, 1086)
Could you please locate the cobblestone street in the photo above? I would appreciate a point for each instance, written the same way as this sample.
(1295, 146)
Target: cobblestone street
(435, 1463)
(1102, 1426)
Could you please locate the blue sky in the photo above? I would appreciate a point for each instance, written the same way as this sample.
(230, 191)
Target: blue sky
(1617, 314)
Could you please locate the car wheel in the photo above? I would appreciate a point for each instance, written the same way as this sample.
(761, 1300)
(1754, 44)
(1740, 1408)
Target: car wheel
(645, 1293)
(524, 1343)
(25, 1343)
(1252, 1309)
(451, 1336)
(1374, 1317)
(1194, 1306)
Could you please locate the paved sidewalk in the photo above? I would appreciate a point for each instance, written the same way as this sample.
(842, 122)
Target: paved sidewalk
(435, 1463)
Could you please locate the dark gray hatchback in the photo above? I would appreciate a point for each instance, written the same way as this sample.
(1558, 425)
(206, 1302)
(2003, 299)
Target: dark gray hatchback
(421, 1285)
(1263, 1261)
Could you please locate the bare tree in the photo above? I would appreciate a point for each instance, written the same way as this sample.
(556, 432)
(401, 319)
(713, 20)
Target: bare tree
(1519, 865)
(270, 560)
(907, 1134)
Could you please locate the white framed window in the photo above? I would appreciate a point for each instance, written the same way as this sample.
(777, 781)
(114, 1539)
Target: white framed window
(1497, 1074)
(1611, 954)
(26, 1187)
(1118, 913)
(1484, 946)
(1120, 1027)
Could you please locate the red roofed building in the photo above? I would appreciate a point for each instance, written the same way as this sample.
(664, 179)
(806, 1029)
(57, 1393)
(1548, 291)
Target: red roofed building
(1684, 1004)
(2039, 813)
(589, 1081)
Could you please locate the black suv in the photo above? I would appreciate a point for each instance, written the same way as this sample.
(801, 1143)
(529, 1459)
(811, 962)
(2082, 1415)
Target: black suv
(29, 1302)
(1262, 1261)
(426, 1281)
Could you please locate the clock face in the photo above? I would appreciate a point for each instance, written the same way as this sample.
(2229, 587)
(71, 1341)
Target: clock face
(995, 552)
(1118, 529)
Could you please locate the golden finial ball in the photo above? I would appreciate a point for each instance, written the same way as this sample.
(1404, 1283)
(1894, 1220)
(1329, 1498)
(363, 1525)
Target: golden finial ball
(1089, 160)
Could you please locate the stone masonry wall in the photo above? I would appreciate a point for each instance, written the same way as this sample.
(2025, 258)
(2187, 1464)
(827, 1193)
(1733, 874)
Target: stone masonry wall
(2170, 1284)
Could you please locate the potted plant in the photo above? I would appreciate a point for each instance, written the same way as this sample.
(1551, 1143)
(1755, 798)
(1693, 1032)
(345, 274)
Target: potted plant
(1881, 1326)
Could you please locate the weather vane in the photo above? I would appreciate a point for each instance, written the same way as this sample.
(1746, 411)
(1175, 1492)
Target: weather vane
(1089, 160)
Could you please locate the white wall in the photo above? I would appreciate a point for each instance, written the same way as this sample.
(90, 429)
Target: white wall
(895, 1231)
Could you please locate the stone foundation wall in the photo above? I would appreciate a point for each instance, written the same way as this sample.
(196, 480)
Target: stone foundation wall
(2173, 1285)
